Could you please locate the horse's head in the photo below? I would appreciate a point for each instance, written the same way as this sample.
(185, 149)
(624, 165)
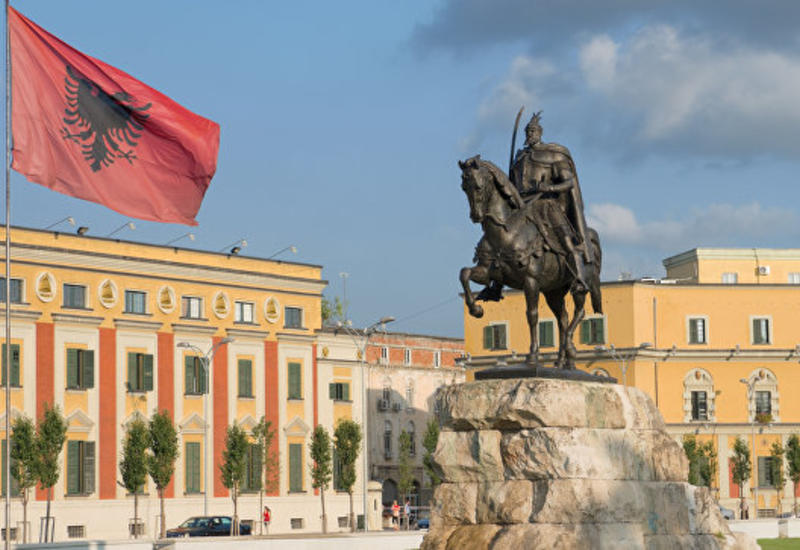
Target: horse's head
(477, 186)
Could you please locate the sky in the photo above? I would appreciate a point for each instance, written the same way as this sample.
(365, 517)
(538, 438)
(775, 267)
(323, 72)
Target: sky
(342, 124)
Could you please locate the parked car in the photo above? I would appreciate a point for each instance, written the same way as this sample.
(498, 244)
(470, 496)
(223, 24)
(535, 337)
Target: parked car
(423, 519)
(206, 526)
(727, 513)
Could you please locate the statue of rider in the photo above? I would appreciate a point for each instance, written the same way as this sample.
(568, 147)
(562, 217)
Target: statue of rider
(545, 175)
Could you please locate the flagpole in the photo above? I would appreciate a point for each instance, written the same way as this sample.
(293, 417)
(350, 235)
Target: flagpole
(7, 352)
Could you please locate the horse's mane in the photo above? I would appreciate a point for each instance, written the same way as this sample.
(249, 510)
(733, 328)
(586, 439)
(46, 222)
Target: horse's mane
(503, 184)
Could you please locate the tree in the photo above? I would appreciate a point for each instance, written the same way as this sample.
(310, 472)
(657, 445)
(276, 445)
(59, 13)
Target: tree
(793, 460)
(162, 456)
(133, 466)
(321, 470)
(741, 468)
(347, 444)
(233, 467)
(24, 461)
(264, 434)
(405, 471)
(332, 311)
(51, 433)
(429, 441)
(702, 461)
(776, 467)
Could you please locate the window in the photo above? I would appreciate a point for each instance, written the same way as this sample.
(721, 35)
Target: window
(794, 279)
(252, 469)
(761, 330)
(135, 301)
(140, 372)
(194, 375)
(245, 378)
(697, 330)
(74, 296)
(80, 467)
(193, 466)
(339, 391)
(593, 331)
(699, 406)
(292, 317)
(437, 359)
(546, 334)
(297, 523)
(387, 439)
(412, 436)
(14, 365)
(763, 402)
(80, 369)
(295, 381)
(76, 531)
(384, 355)
(244, 312)
(16, 290)
(406, 356)
(765, 478)
(192, 307)
(295, 467)
(730, 278)
(494, 336)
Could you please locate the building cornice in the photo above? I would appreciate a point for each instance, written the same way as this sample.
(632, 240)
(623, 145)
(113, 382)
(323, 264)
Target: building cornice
(193, 329)
(75, 319)
(137, 324)
(247, 334)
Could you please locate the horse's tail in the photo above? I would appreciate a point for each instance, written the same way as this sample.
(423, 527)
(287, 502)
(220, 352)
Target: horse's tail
(594, 277)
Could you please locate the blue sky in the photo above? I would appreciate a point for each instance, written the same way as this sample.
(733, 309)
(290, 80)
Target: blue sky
(342, 123)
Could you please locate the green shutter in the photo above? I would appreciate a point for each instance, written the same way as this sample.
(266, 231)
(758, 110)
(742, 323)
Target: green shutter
(546, 333)
(346, 395)
(88, 368)
(255, 478)
(147, 365)
(295, 467)
(601, 337)
(133, 383)
(201, 374)
(245, 378)
(73, 467)
(585, 332)
(500, 336)
(188, 375)
(72, 368)
(88, 467)
(295, 384)
(192, 467)
(332, 390)
(487, 337)
(14, 365)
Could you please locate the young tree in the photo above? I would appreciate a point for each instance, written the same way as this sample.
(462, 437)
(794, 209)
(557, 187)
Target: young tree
(233, 467)
(347, 444)
(24, 460)
(332, 311)
(321, 470)
(741, 468)
(51, 433)
(405, 471)
(133, 466)
(429, 441)
(793, 459)
(264, 434)
(702, 461)
(776, 467)
(162, 456)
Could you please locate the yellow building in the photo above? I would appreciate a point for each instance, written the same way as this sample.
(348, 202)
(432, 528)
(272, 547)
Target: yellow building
(716, 344)
(111, 331)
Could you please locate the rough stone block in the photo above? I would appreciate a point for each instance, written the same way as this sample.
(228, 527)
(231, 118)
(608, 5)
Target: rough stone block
(546, 536)
(638, 410)
(469, 456)
(706, 517)
(436, 538)
(587, 501)
(455, 504)
(504, 502)
(472, 536)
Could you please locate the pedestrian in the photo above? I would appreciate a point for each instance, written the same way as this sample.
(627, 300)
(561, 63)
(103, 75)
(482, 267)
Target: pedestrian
(407, 513)
(267, 518)
(745, 513)
(395, 515)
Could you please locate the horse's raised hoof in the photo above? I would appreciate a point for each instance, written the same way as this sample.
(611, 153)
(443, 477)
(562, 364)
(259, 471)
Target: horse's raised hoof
(476, 311)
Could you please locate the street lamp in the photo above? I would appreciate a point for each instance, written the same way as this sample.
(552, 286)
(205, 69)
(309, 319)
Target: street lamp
(292, 248)
(361, 346)
(753, 441)
(205, 360)
(623, 358)
(129, 225)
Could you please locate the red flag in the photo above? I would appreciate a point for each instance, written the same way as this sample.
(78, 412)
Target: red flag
(88, 130)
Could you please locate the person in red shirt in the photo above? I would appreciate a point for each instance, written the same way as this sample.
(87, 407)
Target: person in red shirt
(267, 518)
(395, 516)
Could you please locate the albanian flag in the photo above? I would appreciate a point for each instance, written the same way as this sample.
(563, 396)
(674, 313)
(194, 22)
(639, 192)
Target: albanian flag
(88, 130)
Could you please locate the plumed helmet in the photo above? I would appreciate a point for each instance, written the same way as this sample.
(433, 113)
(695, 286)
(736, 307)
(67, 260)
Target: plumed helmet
(535, 122)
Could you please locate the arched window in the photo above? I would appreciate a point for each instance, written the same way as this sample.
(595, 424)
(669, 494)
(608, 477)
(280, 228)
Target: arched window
(411, 429)
(762, 397)
(698, 397)
(387, 439)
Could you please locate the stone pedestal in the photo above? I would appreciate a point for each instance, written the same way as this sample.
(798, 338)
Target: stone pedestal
(557, 464)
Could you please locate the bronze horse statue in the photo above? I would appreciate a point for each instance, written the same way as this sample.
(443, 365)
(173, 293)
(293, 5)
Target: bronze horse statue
(505, 256)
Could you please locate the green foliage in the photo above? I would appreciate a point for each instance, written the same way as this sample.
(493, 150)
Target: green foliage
(163, 449)
(24, 454)
(347, 442)
(405, 471)
(233, 458)
(702, 461)
(332, 310)
(264, 435)
(793, 458)
(321, 465)
(763, 418)
(741, 462)
(51, 433)
(133, 466)
(429, 441)
(777, 467)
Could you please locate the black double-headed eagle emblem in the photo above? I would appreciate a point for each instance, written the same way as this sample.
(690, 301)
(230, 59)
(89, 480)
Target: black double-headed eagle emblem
(106, 126)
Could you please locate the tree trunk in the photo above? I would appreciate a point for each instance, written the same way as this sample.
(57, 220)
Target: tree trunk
(261, 510)
(136, 515)
(235, 523)
(794, 493)
(47, 516)
(352, 516)
(324, 518)
(24, 516)
(163, 530)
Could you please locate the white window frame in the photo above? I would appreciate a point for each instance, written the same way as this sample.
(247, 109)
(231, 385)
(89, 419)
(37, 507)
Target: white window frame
(505, 325)
(770, 335)
(698, 379)
(730, 278)
(794, 278)
(239, 309)
(762, 379)
(407, 356)
(437, 359)
(689, 319)
(604, 319)
(384, 357)
(192, 300)
(125, 300)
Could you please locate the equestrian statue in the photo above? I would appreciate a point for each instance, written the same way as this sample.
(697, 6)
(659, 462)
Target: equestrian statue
(535, 237)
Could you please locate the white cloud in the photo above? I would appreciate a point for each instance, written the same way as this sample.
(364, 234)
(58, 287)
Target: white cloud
(598, 61)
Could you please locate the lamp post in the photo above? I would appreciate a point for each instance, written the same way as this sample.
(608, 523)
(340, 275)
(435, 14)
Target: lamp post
(623, 358)
(361, 346)
(205, 360)
(752, 421)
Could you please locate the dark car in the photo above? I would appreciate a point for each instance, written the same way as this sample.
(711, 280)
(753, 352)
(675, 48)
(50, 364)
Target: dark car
(206, 526)
(727, 513)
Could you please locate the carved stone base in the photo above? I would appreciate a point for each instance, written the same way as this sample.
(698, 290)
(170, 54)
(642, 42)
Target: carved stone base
(542, 463)
(538, 371)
